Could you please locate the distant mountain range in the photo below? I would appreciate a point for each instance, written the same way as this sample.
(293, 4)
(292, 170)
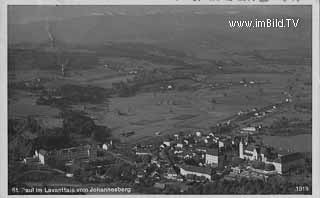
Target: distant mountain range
(190, 30)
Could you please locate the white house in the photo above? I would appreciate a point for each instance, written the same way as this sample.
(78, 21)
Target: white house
(179, 145)
(221, 144)
(105, 147)
(42, 156)
(167, 143)
(141, 151)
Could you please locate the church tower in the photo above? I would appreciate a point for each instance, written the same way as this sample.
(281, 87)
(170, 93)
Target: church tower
(241, 149)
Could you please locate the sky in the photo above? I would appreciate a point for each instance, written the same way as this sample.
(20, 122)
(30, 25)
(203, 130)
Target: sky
(32, 13)
(190, 28)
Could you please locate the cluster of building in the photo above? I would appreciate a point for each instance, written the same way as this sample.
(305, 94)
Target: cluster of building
(281, 160)
(186, 148)
(214, 155)
(84, 152)
(197, 157)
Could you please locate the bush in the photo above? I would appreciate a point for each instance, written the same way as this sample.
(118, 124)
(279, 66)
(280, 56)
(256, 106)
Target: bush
(75, 122)
(124, 89)
(53, 142)
(101, 133)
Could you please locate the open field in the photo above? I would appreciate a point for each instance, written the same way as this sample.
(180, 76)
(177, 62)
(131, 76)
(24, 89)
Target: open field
(233, 89)
(24, 105)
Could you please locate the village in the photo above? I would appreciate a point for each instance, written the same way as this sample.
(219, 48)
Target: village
(182, 158)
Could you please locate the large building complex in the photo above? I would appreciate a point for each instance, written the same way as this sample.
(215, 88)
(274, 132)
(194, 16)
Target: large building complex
(205, 172)
(85, 152)
(282, 161)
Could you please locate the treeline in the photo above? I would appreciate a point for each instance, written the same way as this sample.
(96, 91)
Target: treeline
(78, 123)
(54, 139)
(222, 128)
(74, 123)
(115, 173)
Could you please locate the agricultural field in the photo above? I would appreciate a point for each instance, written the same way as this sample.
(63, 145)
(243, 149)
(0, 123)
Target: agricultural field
(182, 98)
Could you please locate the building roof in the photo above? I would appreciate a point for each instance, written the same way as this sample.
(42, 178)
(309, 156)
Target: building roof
(201, 148)
(197, 169)
(258, 149)
(143, 150)
(264, 150)
(250, 147)
(282, 152)
(252, 129)
(213, 151)
(248, 154)
(42, 152)
(159, 185)
(171, 171)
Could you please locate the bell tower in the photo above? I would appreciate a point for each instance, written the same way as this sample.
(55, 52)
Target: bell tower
(241, 149)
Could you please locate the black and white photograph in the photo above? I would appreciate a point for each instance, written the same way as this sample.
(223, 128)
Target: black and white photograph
(160, 99)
